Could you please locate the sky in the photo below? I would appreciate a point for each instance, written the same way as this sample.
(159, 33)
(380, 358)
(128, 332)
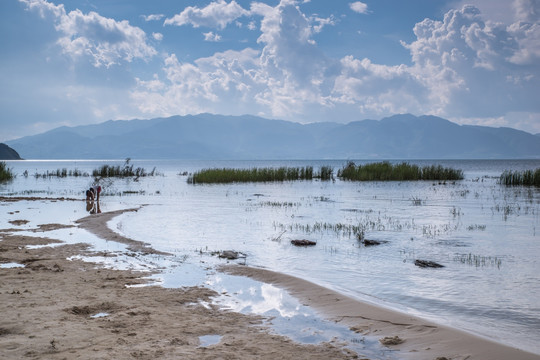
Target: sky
(67, 62)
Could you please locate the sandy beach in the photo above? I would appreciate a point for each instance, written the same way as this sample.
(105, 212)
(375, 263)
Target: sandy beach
(55, 308)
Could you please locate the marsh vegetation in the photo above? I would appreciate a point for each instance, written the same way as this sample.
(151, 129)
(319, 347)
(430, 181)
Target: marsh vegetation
(478, 260)
(5, 173)
(126, 170)
(59, 173)
(385, 171)
(521, 178)
(280, 174)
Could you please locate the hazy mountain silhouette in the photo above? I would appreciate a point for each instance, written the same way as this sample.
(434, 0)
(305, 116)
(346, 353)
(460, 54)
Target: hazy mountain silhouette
(207, 136)
(7, 153)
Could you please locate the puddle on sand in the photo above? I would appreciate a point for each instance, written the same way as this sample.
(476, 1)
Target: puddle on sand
(209, 340)
(99, 315)
(11, 265)
(287, 317)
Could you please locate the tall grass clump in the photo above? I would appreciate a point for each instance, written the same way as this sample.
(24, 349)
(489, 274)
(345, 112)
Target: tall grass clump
(226, 175)
(326, 173)
(125, 170)
(5, 173)
(520, 178)
(384, 171)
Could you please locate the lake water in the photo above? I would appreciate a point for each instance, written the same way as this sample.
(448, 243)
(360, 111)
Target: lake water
(486, 235)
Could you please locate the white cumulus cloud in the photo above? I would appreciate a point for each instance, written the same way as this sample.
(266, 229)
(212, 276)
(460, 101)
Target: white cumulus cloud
(218, 14)
(359, 7)
(105, 41)
(210, 36)
(475, 67)
(153, 17)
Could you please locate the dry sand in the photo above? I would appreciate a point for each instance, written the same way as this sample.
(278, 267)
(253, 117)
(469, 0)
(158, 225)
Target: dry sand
(46, 313)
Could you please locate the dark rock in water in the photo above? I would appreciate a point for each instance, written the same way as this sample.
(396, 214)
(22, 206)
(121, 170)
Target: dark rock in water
(371, 242)
(367, 242)
(303, 242)
(427, 264)
(7, 153)
(231, 255)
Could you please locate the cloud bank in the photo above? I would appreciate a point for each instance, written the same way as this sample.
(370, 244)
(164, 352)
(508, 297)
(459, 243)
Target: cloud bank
(463, 67)
(105, 41)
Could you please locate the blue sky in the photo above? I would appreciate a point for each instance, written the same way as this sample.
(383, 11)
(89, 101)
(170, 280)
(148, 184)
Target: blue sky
(83, 62)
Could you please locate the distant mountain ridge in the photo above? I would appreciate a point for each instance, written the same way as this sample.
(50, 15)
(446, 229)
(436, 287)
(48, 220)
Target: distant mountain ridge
(207, 136)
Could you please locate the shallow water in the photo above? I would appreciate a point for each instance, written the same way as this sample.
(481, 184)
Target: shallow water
(486, 236)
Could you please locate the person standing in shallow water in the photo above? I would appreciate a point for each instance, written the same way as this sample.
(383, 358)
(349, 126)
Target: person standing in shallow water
(92, 199)
(93, 193)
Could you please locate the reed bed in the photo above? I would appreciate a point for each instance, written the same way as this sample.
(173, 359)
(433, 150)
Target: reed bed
(520, 178)
(385, 171)
(5, 173)
(227, 175)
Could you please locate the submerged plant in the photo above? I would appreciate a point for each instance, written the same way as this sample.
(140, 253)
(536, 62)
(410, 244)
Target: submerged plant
(478, 260)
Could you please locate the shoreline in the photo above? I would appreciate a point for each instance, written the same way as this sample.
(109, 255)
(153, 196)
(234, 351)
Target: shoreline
(422, 339)
(56, 308)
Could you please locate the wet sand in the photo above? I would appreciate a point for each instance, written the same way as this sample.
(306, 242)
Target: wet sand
(417, 338)
(47, 310)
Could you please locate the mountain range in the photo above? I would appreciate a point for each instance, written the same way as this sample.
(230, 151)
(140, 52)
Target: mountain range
(208, 136)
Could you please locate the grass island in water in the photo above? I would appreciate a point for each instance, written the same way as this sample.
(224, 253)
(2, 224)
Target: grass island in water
(381, 171)
(209, 176)
(384, 171)
(524, 178)
(126, 170)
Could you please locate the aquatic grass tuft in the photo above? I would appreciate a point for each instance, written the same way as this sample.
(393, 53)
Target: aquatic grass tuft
(478, 260)
(227, 175)
(126, 170)
(5, 173)
(385, 171)
(520, 178)
(59, 173)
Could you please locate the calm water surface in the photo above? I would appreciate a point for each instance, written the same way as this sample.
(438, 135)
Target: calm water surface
(487, 236)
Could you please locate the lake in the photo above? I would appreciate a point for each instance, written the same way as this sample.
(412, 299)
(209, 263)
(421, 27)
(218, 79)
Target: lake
(486, 235)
